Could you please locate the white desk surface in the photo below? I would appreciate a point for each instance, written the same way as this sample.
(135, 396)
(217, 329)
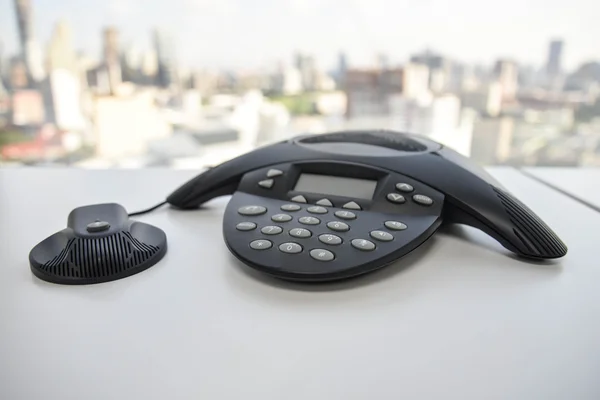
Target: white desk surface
(581, 183)
(458, 319)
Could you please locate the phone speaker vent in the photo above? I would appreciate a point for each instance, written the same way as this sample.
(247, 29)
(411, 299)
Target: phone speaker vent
(99, 258)
(530, 229)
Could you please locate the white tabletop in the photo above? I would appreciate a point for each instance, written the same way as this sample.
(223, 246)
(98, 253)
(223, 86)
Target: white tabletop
(581, 183)
(460, 318)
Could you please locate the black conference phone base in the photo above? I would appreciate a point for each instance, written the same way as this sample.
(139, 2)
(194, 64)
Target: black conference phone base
(314, 208)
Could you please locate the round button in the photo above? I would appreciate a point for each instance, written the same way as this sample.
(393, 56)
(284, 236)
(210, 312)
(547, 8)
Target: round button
(342, 214)
(338, 226)
(382, 236)
(404, 187)
(252, 210)
(261, 244)
(300, 233)
(317, 210)
(272, 230)
(422, 199)
(363, 244)
(395, 225)
(330, 239)
(309, 220)
(290, 207)
(281, 218)
(245, 226)
(396, 198)
(290, 248)
(322, 255)
(97, 226)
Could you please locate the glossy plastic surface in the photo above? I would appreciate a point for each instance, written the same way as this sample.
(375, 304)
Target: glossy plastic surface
(471, 196)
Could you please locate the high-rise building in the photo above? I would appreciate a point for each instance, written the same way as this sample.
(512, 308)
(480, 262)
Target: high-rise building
(166, 56)
(554, 63)
(30, 50)
(112, 62)
(61, 54)
(415, 81)
(507, 75)
(17, 75)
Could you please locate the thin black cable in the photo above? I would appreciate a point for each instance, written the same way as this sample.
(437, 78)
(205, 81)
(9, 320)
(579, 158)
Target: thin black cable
(147, 210)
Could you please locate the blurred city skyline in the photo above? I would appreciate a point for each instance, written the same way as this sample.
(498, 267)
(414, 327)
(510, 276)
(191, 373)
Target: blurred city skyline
(233, 34)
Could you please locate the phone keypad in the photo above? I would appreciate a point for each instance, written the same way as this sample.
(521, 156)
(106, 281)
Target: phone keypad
(380, 234)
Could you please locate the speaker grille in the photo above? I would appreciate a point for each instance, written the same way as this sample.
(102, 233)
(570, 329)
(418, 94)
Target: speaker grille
(99, 258)
(391, 140)
(530, 229)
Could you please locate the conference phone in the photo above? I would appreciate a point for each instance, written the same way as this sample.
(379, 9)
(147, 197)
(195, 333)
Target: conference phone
(312, 208)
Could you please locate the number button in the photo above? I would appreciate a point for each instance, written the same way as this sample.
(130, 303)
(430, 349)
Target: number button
(382, 236)
(309, 220)
(261, 244)
(338, 226)
(322, 255)
(252, 210)
(281, 218)
(363, 244)
(290, 207)
(271, 230)
(300, 233)
(330, 239)
(317, 210)
(345, 215)
(395, 225)
(290, 248)
(245, 226)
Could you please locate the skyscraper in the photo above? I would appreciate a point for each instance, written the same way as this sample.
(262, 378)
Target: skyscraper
(30, 49)
(24, 24)
(111, 57)
(61, 54)
(507, 75)
(165, 53)
(553, 65)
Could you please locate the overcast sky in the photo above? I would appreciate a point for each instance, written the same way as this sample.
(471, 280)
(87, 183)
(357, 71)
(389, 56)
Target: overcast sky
(258, 33)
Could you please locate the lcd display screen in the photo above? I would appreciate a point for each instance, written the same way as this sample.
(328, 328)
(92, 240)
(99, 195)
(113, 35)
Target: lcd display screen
(336, 185)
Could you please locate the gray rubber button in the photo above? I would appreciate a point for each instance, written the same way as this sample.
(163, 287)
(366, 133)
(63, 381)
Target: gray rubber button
(272, 230)
(272, 173)
(252, 210)
(404, 187)
(396, 198)
(345, 214)
(328, 238)
(300, 233)
(363, 244)
(322, 255)
(261, 244)
(97, 226)
(309, 220)
(317, 210)
(422, 199)
(281, 218)
(352, 206)
(290, 207)
(267, 183)
(290, 248)
(338, 226)
(382, 236)
(325, 202)
(299, 199)
(245, 226)
(395, 225)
